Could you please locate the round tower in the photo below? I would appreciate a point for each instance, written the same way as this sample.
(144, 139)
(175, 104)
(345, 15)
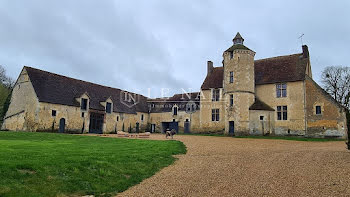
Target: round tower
(239, 86)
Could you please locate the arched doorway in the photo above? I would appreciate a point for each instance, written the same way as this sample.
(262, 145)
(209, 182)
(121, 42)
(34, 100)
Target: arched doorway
(62, 125)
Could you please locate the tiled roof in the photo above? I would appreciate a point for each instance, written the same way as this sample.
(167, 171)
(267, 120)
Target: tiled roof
(280, 69)
(271, 70)
(237, 46)
(58, 89)
(259, 105)
(214, 79)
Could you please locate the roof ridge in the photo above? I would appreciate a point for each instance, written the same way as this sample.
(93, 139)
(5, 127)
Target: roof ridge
(71, 78)
(280, 56)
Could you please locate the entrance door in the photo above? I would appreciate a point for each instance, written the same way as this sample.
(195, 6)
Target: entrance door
(96, 123)
(137, 127)
(170, 126)
(187, 126)
(231, 127)
(153, 128)
(62, 125)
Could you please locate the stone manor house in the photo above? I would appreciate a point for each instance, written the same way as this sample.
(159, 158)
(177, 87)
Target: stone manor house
(275, 96)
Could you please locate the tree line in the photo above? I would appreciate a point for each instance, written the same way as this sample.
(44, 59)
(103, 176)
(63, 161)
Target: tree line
(336, 81)
(6, 86)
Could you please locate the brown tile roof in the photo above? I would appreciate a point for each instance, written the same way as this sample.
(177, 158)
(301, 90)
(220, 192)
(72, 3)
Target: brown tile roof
(280, 69)
(259, 105)
(58, 89)
(214, 79)
(237, 46)
(271, 70)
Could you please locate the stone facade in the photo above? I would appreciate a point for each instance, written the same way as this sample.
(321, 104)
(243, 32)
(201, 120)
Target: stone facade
(273, 96)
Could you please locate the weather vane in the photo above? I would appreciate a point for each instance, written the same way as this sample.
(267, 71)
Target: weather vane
(301, 38)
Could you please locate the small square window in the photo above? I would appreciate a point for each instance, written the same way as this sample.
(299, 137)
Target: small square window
(318, 110)
(261, 117)
(53, 113)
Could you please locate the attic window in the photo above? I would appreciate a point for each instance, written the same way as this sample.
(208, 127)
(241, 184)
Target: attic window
(318, 110)
(84, 103)
(231, 54)
(109, 107)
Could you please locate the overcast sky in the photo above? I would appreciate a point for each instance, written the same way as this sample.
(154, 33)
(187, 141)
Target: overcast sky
(136, 45)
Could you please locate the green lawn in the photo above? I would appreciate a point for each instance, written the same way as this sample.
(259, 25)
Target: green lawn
(48, 164)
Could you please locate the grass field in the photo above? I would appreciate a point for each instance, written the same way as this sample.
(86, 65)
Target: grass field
(48, 164)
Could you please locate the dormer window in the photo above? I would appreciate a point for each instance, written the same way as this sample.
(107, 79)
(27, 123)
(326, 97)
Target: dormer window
(84, 104)
(108, 107)
(175, 111)
(238, 39)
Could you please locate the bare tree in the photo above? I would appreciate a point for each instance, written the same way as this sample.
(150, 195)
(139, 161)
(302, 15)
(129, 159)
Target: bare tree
(336, 81)
(6, 80)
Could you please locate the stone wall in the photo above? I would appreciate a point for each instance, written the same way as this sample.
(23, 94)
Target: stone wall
(295, 102)
(205, 116)
(23, 106)
(332, 120)
(261, 127)
(193, 118)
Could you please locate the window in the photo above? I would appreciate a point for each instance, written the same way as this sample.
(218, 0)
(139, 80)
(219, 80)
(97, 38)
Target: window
(281, 90)
(282, 113)
(318, 110)
(231, 54)
(53, 113)
(117, 118)
(231, 100)
(216, 95)
(261, 117)
(231, 77)
(82, 114)
(175, 111)
(141, 117)
(84, 104)
(109, 107)
(215, 115)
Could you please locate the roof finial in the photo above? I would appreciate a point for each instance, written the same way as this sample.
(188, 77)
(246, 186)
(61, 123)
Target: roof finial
(238, 39)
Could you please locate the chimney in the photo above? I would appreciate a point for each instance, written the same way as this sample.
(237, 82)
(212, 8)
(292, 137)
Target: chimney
(210, 67)
(305, 51)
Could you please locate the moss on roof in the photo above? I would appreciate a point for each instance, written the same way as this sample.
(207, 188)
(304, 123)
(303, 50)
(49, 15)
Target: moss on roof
(237, 46)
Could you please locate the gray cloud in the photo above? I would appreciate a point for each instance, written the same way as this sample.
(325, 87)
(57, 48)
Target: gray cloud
(136, 45)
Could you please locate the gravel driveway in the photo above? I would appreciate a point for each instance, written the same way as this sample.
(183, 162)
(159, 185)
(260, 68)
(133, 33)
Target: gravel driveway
(223, 166)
